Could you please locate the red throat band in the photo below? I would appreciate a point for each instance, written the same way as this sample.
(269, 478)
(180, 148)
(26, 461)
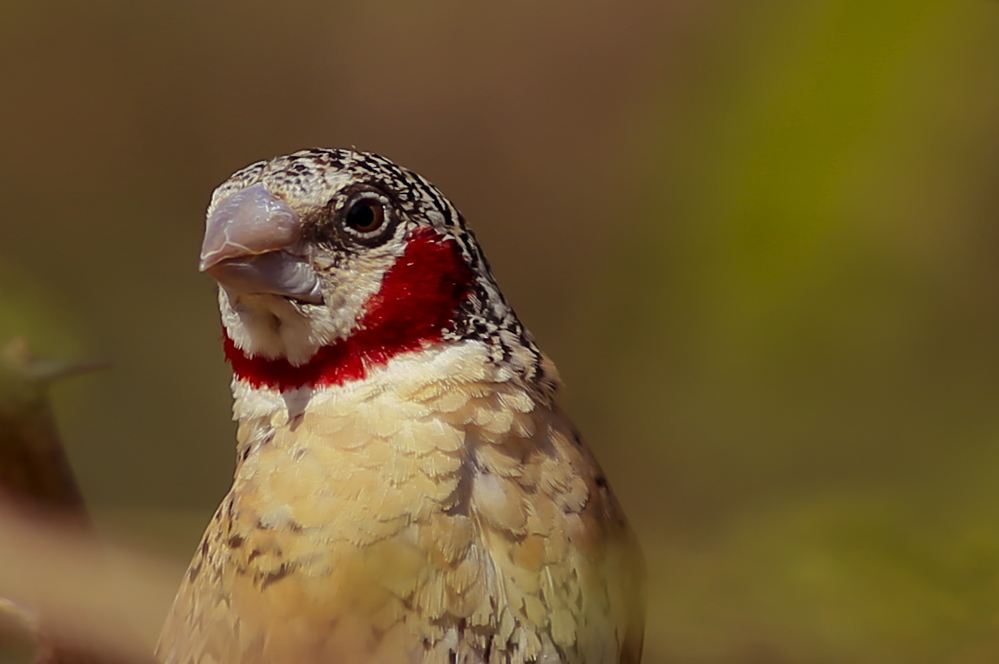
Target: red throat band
(418, 298)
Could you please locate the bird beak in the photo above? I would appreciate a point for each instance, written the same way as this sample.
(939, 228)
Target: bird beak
(252, 246)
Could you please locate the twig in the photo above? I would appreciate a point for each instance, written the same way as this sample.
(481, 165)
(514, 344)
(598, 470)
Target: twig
(38, 485)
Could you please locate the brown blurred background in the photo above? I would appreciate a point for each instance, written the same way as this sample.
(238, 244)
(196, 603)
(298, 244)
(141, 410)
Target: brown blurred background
(760, 240)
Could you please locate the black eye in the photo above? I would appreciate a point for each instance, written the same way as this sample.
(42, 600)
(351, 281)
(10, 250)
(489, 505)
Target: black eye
(364, 215)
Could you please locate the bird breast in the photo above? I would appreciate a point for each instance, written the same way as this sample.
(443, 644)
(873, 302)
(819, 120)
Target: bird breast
(459, 515)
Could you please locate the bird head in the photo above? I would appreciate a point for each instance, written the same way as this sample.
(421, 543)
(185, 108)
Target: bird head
(331, 262)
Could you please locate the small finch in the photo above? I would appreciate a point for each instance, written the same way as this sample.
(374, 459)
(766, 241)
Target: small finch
(406, 487)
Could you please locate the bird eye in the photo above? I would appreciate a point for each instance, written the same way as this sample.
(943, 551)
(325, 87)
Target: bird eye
(364, 215)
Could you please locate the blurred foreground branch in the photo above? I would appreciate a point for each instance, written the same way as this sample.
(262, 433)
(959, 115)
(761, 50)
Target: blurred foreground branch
(34, 471)
(82, 600)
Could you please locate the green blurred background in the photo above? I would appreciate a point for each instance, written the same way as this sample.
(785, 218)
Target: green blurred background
(760, 240)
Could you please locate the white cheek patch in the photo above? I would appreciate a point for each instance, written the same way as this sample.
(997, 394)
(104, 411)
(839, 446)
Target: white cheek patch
(260, 325)
(347, 293)
(273, 327)
(251, 328)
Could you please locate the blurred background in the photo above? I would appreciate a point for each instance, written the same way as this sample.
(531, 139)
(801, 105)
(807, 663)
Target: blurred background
(759, 239)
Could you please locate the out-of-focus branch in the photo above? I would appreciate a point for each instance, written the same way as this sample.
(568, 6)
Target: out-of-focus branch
(53, 574)
(34, 471)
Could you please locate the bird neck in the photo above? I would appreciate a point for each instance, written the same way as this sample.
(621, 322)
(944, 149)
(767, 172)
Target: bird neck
(415, 306)
(442, 388)
(260, 386)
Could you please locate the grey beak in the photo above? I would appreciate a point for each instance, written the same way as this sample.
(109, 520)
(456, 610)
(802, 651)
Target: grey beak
(250, 222)
(251, 246)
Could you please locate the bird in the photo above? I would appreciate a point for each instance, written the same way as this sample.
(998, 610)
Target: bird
(407, 488)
